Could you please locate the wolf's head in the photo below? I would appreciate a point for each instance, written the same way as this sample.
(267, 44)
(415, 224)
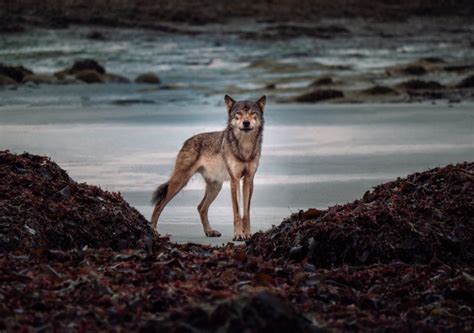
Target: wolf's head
(245, 116)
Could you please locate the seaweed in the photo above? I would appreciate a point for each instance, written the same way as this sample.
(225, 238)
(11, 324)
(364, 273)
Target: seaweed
(77, 258)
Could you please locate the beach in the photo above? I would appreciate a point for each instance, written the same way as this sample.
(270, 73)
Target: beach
(313, 155)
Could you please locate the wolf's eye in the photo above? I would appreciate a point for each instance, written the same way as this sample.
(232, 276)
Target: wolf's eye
(238, 115)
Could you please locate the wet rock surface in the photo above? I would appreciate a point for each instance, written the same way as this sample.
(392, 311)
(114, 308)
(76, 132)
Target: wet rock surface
(15, 73)
(319, 95)
(148, 78)
(81, 71)
(415, 274)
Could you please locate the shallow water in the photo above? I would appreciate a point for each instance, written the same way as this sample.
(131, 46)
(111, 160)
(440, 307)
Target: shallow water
(313, 155)
(201, 68)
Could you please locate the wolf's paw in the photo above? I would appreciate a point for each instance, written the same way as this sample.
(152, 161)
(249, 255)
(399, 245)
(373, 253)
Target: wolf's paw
(213, 233)
(241, 237)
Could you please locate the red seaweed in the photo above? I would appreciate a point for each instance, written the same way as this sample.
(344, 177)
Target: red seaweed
(115, 274)
(424, 217)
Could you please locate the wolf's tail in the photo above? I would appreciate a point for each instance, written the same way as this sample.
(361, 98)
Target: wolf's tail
(160, 193)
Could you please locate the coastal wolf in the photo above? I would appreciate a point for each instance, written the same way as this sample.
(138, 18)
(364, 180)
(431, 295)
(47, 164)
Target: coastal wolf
(231, 154)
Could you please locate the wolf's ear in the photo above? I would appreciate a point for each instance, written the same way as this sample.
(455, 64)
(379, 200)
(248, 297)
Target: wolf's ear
(261, 102)
(229, 102)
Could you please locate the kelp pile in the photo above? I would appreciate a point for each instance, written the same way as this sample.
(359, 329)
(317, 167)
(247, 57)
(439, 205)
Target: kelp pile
(424, 217)
(41, 207)
(274, 283)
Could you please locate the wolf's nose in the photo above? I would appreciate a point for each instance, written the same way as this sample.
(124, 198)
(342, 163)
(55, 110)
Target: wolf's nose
(246, 123)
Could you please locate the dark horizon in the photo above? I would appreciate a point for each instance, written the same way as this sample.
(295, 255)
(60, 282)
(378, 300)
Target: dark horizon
(59, 14)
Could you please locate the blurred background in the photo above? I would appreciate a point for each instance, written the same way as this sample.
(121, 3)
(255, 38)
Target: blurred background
(359, 92)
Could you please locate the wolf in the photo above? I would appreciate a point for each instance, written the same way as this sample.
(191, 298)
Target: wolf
(229, 155)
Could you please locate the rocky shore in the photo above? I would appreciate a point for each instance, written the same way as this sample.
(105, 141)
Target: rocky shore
(431, 43)
(82, 71)
(411, 87)
(75, 257)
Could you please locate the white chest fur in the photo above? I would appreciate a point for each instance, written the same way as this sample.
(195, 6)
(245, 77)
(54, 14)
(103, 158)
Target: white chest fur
(213, 168)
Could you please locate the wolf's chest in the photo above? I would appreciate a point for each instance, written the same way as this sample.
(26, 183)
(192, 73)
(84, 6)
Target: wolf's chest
(213, 168)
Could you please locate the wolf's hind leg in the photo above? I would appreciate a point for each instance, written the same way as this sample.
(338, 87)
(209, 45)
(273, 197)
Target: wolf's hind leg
(175, 184)
(212, 190)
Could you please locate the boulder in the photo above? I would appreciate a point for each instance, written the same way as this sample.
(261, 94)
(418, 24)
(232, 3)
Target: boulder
(86, 64)
(16, 73)
(40, 79)
(322, 81)
(6, 81)
(421, 85)
(467, 82)
(319, 95)
(414, 70)
(96, 35)
(380, 90)
(90, 76)
(149, 78)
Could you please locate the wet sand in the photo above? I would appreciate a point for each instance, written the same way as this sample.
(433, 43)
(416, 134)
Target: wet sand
(313, 155)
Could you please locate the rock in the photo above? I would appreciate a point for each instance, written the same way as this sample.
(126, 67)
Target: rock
(96, 35)
(62, 74)
(115, 78)
(133, 101)
(40, 79)
(322, 81)
(86, 64)
(16, 73)
(458, 68)
(414, 70)
(432, 60)
(149, 78)
(287, 31)
(380, 90)
(467, 82)
(6, 81)
(89, 76)
(260, 312)
(421, 85)
(271, 86)
(319, 95)
(296, 253)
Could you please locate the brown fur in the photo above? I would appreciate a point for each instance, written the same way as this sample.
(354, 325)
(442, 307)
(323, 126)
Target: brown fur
(231, 154)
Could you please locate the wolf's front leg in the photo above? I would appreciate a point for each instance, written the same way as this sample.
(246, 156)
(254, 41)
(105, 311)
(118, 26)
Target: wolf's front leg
(247, 194)
(235, 193)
